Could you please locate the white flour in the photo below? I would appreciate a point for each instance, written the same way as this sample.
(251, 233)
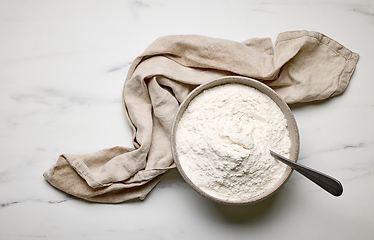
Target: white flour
(223, 142)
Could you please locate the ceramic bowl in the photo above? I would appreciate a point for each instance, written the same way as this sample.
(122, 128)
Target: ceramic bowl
(292, 128)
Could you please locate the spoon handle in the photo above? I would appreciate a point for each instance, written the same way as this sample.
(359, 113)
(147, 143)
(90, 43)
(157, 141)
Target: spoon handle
(326, 182)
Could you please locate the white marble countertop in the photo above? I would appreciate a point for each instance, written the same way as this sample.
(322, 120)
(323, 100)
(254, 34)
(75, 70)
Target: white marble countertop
(62, 68)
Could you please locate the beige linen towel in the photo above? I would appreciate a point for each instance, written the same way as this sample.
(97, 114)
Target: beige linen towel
(302, 67)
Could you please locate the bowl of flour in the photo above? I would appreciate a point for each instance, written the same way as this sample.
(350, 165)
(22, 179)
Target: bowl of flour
(221, 137)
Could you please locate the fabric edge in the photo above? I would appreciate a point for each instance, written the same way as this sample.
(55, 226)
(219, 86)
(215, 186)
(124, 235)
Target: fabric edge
(350, 57)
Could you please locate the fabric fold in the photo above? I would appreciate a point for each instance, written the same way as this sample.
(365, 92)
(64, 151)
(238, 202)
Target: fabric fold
(302, 66)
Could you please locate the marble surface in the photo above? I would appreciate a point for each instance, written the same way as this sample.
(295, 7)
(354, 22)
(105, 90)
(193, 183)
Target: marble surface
(62, 68)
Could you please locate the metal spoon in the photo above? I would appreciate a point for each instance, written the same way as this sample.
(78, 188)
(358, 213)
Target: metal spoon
(326, 182)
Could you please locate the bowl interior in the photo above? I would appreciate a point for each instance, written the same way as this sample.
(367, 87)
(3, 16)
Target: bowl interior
(291, 126)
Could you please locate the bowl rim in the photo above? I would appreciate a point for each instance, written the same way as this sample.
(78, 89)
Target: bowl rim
(291, 126)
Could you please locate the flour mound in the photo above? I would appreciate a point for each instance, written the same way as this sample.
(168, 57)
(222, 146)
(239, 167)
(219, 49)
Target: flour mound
(223, 141)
